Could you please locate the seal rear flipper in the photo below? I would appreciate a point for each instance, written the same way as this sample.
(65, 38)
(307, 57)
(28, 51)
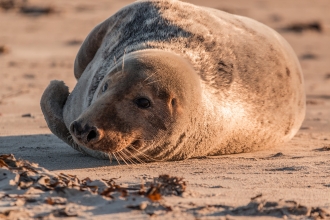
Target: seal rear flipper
(52, 102)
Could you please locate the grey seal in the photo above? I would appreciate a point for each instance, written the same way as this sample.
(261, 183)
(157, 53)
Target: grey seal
(168, 80)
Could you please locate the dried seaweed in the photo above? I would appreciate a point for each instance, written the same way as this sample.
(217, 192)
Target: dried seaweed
(302, 27)
(34, 180)
(4, 49)
(24, 184)
(37, 10)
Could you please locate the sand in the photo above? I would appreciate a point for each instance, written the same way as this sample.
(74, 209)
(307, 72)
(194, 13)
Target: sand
(292, 181)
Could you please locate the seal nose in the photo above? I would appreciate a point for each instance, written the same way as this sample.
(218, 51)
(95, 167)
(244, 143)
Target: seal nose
(86, 134)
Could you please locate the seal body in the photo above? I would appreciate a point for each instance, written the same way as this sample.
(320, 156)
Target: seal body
(168, 80)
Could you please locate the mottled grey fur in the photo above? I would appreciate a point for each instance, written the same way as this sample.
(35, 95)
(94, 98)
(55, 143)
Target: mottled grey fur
(252, 87)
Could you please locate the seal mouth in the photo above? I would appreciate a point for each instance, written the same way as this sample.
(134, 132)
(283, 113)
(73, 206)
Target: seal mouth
(137, 144)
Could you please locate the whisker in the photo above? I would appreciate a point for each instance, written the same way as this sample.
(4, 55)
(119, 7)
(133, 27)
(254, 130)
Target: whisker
(69, 140)
(128, 157)
(152, 82)
(149, 76)
(114, 57)
(123, 157)
(110, 157)
(119, 154)
(114, 154)
(145, 155)
(135, 157)
(69, 136)
(122, 68)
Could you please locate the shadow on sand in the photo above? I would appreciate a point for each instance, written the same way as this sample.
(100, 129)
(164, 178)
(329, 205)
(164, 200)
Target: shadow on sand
(49, 152)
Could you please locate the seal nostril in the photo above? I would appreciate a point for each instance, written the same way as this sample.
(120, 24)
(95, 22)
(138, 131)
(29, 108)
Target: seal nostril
(92, 135)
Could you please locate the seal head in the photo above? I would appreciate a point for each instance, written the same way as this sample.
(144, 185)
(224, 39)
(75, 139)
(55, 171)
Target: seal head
(146, 102)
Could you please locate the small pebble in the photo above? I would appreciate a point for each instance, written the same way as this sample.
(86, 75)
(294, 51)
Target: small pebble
(143, 205)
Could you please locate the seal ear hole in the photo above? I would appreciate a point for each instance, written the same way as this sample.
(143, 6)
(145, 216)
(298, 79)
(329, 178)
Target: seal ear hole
(105, 87)
(173, 102)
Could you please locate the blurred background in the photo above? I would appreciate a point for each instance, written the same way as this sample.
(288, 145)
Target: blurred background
(40, 38)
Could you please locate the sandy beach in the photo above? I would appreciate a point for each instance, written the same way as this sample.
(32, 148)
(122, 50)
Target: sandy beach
(37, 46)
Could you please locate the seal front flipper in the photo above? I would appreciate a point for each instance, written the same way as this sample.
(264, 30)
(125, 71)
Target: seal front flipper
(52, 102)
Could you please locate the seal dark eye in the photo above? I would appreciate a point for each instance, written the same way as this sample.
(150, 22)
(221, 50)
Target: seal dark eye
(105, 87)
(142, 103)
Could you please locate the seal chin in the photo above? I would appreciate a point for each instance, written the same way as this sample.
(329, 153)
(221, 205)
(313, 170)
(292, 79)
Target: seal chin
(112, 147)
